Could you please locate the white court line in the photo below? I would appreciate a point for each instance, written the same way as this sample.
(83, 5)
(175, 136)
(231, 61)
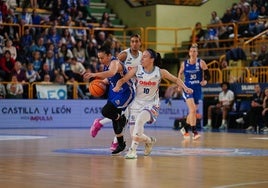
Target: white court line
(14, 137)
(259, 138)
(243, 184)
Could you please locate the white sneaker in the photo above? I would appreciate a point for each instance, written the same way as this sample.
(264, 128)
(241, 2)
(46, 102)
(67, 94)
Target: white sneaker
(223, 126)
(250, 128)
(131, 154)
(196, 136)
(240, 120)
(149, 146)
(207, 127)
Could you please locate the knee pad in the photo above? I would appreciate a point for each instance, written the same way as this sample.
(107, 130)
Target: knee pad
(110, 111)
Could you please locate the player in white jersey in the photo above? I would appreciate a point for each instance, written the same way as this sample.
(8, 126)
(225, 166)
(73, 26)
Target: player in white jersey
(131, 58)
(145, 107)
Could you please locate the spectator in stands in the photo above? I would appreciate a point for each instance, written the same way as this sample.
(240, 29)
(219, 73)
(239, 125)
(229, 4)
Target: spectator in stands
(263, 56)
(6, 65)
(79, 52)
(14, 89)
(52, 62)
(19, 71)
(91, 50)
(63, 53)
(39, 46)
(198, 33)
(3, 92)
(79, 33)
(262, 19)
(11, 32)
(70, 85)
(66, 70)
(265, 110)
(254, 61)
(105, 21)
(59, 79)
(53, 37)
(78, 69)
(253, 116)
(25, 16)
(12, 49)
(11, 13)
(241, 16)
(46, 71)
(4, 10)
(31, 74)
(224, 105)
(68, 39)
(253, 17)
(36, 20)
(101, 38)
(26, 41)
(36, 61)
(46, 79)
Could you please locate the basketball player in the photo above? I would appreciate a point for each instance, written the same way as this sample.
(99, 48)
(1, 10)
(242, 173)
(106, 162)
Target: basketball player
(145, 107)
(196, 75)
(117, 101)
(131, 58)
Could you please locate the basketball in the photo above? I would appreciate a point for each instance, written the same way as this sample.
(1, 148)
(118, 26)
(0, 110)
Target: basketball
(97, 88)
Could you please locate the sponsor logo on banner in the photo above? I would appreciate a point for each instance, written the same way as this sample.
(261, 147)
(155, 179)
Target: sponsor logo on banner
(51, 91)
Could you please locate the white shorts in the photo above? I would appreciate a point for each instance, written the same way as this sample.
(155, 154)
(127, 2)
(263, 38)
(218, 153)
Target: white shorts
(136, 107)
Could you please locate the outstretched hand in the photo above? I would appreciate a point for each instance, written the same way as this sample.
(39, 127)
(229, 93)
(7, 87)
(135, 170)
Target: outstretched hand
(88, 75)
(188, 90)
(203, 83)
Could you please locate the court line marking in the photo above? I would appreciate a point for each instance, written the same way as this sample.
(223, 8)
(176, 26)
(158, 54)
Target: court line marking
(243, 184)
(20, 137)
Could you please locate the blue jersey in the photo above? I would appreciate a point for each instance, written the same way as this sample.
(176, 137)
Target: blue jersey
(126, 94)
(193, 75)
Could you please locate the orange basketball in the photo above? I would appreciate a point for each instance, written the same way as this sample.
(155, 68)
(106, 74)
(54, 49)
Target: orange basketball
(97, 88)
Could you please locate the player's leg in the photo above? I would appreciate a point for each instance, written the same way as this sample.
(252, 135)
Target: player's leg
(138, 134)
(97, 125)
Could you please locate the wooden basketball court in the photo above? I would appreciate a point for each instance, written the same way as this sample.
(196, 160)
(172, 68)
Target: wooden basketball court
(42, 158)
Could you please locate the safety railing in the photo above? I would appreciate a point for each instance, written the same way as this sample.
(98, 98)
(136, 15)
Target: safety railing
(170, 43)
(13, 92)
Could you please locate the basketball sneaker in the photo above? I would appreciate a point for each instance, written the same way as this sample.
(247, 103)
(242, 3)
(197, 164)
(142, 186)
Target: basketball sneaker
(149, 146)
(95, 127)
(131, 154)
(186, 136)
(113, 146)
(119, 149)
(196, 136)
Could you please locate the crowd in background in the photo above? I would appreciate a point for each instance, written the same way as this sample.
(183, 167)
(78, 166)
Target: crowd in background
(43, 54)
(48, 54)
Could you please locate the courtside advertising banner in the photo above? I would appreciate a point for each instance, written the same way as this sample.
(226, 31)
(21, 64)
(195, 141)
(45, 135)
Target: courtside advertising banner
(73, 113)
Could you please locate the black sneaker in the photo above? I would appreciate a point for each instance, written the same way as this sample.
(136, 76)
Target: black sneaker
(119, 149)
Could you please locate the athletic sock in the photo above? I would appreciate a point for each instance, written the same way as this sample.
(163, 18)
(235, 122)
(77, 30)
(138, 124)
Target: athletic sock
(194, 130)
(120, 140)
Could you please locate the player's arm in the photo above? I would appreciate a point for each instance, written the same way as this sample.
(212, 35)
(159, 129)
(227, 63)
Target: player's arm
(172, 78)
(206, 73)
(131, 73)
(115, 66)
(122, 56)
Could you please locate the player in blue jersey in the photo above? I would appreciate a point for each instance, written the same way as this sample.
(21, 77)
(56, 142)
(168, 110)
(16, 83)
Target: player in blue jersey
(117, 101)
(196, 75)
(131, 57)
